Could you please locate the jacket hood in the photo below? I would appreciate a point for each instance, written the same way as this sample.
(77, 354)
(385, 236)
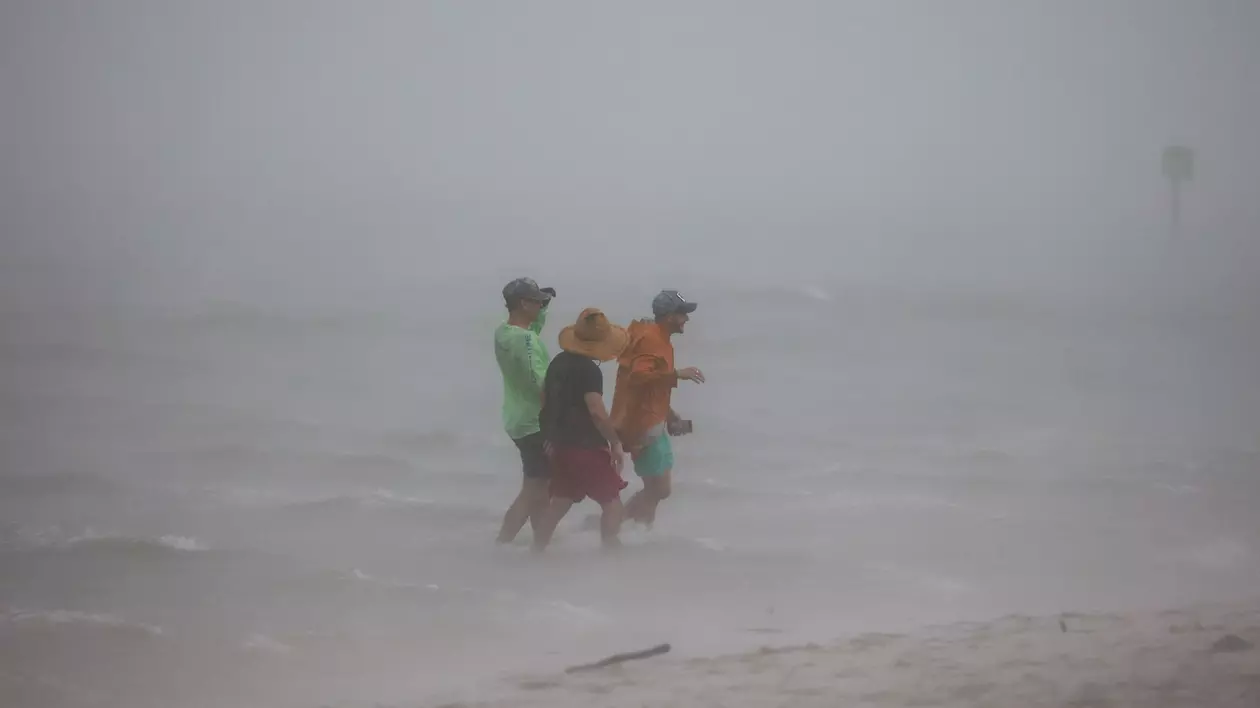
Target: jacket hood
(640, 330)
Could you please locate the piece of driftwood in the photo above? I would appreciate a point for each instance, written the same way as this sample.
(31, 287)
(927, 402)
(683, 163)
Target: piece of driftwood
(619, 658)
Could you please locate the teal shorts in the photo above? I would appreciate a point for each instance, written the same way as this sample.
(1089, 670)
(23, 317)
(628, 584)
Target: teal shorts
(656, 459)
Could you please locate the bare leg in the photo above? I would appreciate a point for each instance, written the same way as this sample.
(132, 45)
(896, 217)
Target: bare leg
(642, 506)
(538, 507)
(556, 510)
(610, 523)
(529, 505)
(634, 508)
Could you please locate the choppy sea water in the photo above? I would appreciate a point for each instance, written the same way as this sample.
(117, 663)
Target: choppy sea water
(241, 505)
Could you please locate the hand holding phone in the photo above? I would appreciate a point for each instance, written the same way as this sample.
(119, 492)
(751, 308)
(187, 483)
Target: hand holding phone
(679, 427)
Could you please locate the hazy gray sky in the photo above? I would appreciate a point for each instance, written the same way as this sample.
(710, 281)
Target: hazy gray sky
(220, 144)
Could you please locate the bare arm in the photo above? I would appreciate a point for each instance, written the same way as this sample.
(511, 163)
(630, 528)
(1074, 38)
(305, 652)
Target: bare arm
(599, 414)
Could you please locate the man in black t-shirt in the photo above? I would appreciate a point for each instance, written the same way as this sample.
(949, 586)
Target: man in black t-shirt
(586, 456)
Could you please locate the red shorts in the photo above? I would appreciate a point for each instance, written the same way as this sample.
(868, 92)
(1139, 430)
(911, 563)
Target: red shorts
(580, 472)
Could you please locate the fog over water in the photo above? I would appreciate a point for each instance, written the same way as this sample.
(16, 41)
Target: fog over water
(958, 365)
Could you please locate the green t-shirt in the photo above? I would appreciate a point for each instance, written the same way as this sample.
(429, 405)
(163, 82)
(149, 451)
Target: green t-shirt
(523, 361)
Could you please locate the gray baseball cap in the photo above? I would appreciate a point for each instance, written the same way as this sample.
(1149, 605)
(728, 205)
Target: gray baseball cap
(669, 301)
(527, 289)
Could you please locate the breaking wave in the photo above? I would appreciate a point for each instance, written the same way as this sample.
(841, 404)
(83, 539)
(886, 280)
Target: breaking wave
(19, 538)
(75, 619)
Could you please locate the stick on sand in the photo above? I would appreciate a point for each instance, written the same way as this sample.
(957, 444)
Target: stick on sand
(618, 658)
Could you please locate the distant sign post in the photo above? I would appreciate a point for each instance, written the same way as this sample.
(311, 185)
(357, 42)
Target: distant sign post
(1178, 169)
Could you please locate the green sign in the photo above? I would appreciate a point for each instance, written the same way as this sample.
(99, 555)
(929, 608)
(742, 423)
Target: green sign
(1178, 163)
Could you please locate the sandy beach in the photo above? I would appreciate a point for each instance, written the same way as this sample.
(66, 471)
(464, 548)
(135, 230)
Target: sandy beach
(1203, 655)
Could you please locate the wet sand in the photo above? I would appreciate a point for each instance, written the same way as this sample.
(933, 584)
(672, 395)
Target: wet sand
(1203, 655)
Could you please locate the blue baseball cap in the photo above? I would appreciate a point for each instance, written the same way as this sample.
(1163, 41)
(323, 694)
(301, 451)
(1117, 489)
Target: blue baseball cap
(526, 289)
(669, 302)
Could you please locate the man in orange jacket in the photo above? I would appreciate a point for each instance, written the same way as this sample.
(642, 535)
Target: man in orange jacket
(641, 410)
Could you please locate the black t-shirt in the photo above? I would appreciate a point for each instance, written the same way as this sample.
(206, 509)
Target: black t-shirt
(565, 419)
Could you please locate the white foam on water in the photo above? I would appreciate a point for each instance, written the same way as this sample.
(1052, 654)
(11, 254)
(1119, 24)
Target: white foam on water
(76, 617)
(182, 543)
(389, 497)
(711, 544)
(359, 575)
(55, 537)
(568, 614)
(1178, 488)
(261, 643)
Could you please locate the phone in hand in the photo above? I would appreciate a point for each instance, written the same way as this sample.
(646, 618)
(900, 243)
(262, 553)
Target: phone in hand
(679, 427)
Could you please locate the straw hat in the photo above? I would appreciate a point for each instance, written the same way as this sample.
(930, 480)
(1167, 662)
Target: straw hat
(594, 336)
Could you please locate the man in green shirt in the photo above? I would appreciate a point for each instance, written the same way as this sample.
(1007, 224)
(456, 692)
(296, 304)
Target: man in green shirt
(523, 361)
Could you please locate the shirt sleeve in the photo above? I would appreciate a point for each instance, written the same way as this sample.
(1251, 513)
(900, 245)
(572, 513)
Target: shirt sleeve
(592, 379)
(648, 367)
(537, 325)
(535, 360)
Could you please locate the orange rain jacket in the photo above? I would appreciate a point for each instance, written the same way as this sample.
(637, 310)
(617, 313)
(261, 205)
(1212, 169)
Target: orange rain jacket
(645, 381)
